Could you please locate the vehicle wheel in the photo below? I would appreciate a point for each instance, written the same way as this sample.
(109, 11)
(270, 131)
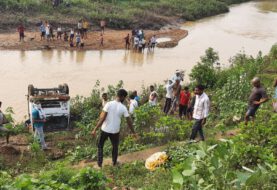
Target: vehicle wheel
(60, 87)
(31, 90)
(65, 88)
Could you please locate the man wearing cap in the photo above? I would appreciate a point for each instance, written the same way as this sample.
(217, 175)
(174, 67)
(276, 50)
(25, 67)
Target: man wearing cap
(257, 97)
(177, 76)
(110, 120)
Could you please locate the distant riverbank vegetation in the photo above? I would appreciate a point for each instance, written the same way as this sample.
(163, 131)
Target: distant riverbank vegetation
(119, 14)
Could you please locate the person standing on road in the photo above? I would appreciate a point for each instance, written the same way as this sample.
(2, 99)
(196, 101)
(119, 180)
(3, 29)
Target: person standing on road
(21, 30)
(39, 119)
(257, 97)
(110, 120)
(200, 112)
(168, 96)
(3, 120)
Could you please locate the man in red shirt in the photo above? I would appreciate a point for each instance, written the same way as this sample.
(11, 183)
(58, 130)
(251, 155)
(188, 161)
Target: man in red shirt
(20, 30)
(184, 102)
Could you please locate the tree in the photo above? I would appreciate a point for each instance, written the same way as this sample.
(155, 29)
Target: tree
(205, 72)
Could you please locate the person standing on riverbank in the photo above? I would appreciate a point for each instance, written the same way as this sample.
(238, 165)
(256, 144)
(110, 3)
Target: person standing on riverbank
(104, 99)
(80, 27)
(176, 95)
(191, 106)
(257, 97)
(153, 97)
(47, 32)
(110, 120)
(127, 42)
(42, 31)
(102, 26)
(168, 96)
(59, 32)
(133, 104)
(39, 119)
(184, 102)
(101, 40)
(21, 30)
(137, 98)
(71, 37)
(200, 113)
(78, 39)
(3, 120)
(85, 28)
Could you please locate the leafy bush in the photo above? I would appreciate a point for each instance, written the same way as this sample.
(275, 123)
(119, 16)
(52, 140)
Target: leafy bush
(88, 179)
(204, 72)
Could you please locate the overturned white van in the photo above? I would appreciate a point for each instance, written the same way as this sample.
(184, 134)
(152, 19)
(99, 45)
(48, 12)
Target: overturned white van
(55, 103)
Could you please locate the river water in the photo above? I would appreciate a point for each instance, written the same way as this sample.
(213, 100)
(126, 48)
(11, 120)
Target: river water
(248, 27)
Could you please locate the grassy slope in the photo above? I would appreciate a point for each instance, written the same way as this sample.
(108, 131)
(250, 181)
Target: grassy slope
(122, 14)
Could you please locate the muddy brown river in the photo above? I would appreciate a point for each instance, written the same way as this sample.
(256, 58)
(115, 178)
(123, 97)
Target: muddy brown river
(248, 28)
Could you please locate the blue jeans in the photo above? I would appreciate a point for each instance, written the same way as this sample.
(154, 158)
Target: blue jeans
(40, 135)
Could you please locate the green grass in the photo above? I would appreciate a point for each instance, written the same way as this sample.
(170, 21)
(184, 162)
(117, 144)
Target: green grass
(119, 14)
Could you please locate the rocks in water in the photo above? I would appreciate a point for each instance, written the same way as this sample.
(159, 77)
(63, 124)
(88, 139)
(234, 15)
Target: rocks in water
(169, 44)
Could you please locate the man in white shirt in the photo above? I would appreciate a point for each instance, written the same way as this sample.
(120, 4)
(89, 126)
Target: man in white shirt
(200, 112)
(168, 96)
(153, 96)
(133, 104)
(110, 120)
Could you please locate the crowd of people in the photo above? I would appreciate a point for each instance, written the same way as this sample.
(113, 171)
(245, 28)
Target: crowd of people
(77, 36)
(196, 107)
(138, 41)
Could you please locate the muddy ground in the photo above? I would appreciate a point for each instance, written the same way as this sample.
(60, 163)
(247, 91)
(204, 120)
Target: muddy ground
(113, 39)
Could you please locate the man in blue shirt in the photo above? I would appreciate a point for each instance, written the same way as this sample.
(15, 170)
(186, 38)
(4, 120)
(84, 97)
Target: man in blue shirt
(38, 122)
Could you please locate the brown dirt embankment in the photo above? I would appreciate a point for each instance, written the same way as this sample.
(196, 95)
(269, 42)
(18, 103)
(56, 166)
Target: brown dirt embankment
(113, 39)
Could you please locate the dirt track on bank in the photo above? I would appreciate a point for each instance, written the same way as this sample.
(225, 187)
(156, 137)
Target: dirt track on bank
(113, 40)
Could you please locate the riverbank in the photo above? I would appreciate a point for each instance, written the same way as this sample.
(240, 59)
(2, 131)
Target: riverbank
(113, 40)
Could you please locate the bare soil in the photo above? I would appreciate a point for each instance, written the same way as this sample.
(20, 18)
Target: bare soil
(113, 39)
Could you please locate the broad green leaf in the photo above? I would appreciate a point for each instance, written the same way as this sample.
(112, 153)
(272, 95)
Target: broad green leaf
(201, 153)
(188, 172)
(177, 178)
(242, 177)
